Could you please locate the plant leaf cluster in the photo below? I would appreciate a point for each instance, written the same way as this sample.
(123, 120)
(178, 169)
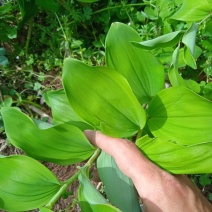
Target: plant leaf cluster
(124, 98)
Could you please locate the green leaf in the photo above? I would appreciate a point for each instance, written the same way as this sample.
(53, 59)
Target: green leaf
(142, 70)
(60, 107)
(194, 10)
(176, 158)
(167, 40)
(90, 198)
(193, 85)
(118, 187)
(7, 102)
(87, 1)
(189, 59)
(49, 5)
(189, 39)
(174, 76)
(180, 115)
(103, 98)
(62, 144)
(3, 61)
(42, 209)
(6, 8)
(28, 10)
(2, 51)
(26, 183)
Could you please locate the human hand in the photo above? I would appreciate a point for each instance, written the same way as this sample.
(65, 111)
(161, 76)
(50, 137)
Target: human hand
(159, 190)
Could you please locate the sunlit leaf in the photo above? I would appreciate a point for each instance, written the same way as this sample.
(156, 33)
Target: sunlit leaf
(174, 76)
(178, 159)
(60, 107)
(194, 10)
(142, 70)
(167, 40)
(118, 187)
(188, 58)
(62, 144)
(26, 183)
(103, 98)
(90, 198)
(180, 115)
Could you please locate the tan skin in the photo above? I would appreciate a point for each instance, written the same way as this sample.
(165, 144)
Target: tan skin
(159, 190)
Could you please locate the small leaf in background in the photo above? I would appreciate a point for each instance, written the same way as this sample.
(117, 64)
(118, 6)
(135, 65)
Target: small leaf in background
(26, 183)
(119, 188)
(3, 61)
(103, 98)
(3, 51)
(194, 10)
(50, 5)
(90, 199)
(205, 180)
(62, 144)
(141, 68)
(180, 115)
(7, 102)
(176, 158)
(60, 107)
(87, 1)
(167, 40)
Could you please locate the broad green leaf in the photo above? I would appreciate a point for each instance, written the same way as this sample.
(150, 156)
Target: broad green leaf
(60, 107)
(44, 210)
(25, 184)
(167, 40)
(174, 76)
(50, 5)
(176, 158)
(87, 1)
(90, 198)
(118, 187)
(180, 115)
(142, 70)
(103, 98)
(62, 144)
(28, 10)
(193, 85)
(194, 10)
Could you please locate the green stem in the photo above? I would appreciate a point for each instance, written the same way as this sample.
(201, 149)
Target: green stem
(121, 6)
(208, 16)
(67, 183)
(28, 102)
(29, 34)
(138, 134)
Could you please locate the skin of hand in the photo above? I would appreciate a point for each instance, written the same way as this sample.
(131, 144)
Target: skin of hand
(159, 190)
